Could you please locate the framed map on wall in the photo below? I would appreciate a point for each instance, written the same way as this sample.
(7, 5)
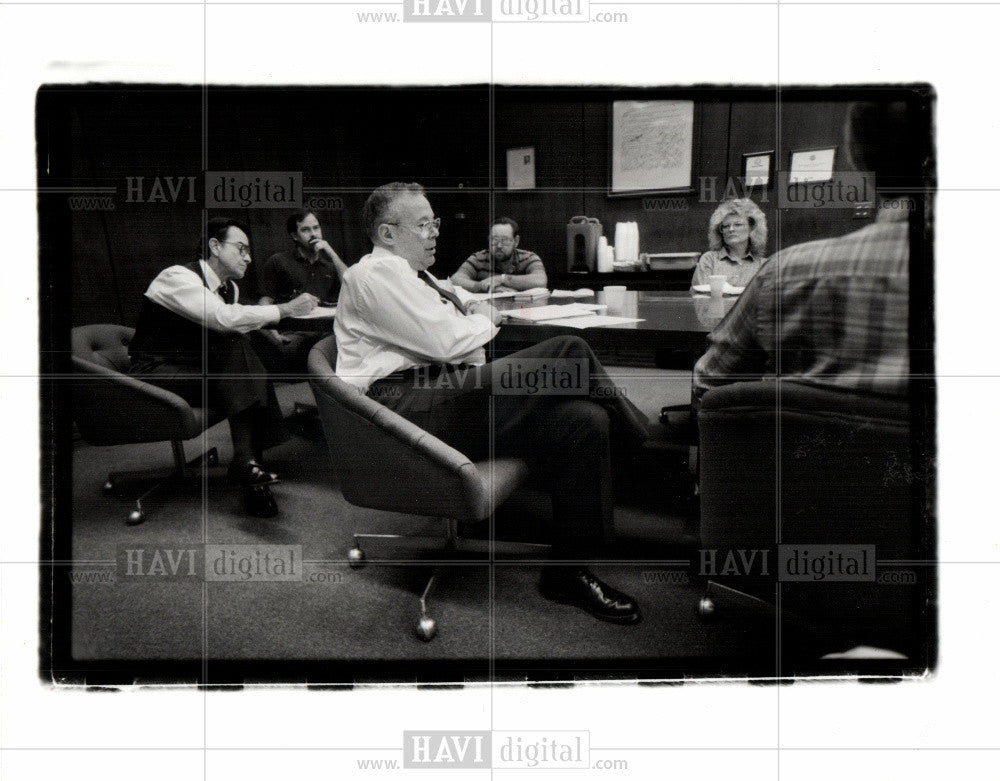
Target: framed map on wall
(651, 146)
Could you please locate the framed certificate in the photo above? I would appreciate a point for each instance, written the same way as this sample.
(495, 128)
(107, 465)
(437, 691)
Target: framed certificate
(758, 167)
(521, 168)
(811, 165)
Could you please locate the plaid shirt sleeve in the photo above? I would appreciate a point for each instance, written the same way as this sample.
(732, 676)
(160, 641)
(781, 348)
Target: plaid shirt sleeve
(736, 351)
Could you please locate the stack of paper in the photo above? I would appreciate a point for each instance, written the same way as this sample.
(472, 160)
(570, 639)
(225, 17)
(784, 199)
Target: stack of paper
(489, 296)
(550, 312)
(583, 292)
(532, 294)
(596, 321)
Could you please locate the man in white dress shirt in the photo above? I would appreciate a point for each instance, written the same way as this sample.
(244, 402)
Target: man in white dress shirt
(418, 345)
(191, 339)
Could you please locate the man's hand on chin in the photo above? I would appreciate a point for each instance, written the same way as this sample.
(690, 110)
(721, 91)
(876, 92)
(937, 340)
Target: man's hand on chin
(324, 247)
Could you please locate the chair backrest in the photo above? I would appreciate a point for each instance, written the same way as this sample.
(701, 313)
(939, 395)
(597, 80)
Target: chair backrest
(384, 461)
(105, 344)
(811, 467)
(845, 470)
(110, 407)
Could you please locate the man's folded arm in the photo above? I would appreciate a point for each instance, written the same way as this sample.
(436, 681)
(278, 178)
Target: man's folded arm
(533, 276)
(414, 319)
(465, 277)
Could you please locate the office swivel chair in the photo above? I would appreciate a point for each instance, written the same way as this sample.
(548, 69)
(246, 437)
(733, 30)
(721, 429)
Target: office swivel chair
(385, 462)
(112, 408)
(810, 468)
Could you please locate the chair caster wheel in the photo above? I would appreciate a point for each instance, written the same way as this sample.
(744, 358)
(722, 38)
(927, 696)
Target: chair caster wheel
(136, 517)
(356, 558)
(706, 608)
(426, 628)
(108, 487)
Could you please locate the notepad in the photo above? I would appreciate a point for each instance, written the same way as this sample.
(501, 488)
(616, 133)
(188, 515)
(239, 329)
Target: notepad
(550, 312)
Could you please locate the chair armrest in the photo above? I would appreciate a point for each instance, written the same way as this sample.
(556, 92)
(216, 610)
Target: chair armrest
(111, 408)
(386, 462)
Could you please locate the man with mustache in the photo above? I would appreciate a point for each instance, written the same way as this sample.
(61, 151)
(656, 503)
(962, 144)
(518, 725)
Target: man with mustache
(503, 265)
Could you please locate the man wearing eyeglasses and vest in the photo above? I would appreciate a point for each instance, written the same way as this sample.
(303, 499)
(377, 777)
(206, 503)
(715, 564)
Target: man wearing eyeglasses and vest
(417, 345)
(503, 265)
(192, 339)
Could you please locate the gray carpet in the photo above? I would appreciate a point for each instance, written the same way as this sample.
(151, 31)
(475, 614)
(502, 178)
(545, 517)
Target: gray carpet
(367, 614)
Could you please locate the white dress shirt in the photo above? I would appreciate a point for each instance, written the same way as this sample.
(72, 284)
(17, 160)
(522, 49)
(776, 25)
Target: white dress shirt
(389, 320)
(181, 290)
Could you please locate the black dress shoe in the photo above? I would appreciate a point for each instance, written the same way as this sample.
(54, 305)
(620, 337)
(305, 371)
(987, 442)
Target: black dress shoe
(580, 587)
(251, 473)
(258, 501)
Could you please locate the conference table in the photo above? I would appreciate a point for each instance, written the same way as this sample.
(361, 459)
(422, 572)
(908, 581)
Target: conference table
(669, 320)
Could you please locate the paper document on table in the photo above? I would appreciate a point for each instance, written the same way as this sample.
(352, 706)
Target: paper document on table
(533, 292)
(583, 292)
(728, 290)
(488, 296)
(596, 321)
(550, 312)
(320, 311)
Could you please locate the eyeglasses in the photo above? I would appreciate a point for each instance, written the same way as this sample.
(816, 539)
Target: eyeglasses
(423, 229)
(242, 248)
(502, 240)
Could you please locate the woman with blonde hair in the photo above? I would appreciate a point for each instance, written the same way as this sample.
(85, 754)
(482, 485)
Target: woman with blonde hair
(737, 235)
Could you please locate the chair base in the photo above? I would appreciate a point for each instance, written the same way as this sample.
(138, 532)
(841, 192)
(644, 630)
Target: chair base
(721, 599)
(183, 471)
(426, 627)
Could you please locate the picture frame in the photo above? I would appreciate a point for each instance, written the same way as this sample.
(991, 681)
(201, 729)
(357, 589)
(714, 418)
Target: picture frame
(521, 168)
(758, 169)
(812, 165)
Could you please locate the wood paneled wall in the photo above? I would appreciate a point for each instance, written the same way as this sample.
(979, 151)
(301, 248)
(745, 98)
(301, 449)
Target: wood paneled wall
(347, 141)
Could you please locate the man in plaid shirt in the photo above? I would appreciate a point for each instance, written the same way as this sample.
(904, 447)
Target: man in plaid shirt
(832, 312)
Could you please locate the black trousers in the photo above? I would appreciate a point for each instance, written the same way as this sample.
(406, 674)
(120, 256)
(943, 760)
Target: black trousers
(287, 361)
(564, 431)
(234, 381)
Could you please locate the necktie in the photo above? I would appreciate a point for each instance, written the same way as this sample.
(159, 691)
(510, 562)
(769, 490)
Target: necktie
(442, 292)
(226, 291)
